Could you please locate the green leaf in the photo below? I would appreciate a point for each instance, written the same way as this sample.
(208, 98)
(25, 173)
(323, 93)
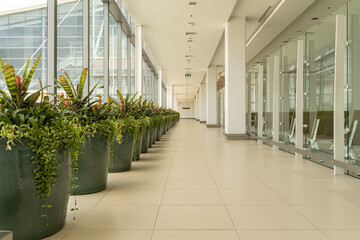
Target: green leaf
(80, 87)
(66, 86)
(27, 80)
(32, 99)
(69, 84)
(10, 80)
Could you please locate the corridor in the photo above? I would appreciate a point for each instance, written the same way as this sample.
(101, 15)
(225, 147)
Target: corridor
(195, 185)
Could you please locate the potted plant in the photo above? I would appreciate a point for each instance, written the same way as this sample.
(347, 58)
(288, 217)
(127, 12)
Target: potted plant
(35, 164)
(97, 131)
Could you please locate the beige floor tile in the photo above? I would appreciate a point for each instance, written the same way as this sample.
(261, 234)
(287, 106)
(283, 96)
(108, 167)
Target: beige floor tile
(195, 235)
(193, 217)
(205, 173)
(342, 234)
(59, 235)
(251, 197)
(281, 235)
(120, 217)
(190, 183)
(267, 217)
(330, 216)
(141, 183)
(83, 210)
(192, 197)
(100, 234)
(240, 183)
(132, 197)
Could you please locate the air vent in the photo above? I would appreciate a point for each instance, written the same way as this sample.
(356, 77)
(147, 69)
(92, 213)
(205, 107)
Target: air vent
(192, 3)
(265, 14)
(190, 33)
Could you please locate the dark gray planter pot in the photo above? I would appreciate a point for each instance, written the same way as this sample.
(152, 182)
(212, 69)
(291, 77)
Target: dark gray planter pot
(20, 209)
(158, 133)
(145, 141)
(93, 166)
(138, 144)
(151, 138)
(123, 154)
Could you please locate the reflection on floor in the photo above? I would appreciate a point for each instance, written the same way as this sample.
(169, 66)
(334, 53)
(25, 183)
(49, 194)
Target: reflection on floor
(195, 185)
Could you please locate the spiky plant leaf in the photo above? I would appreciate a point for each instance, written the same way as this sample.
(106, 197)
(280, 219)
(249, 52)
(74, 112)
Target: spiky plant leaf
(10, 80)
(66, 86)
(80, 86)
(70, 84)
(27, 80)
(29, 101)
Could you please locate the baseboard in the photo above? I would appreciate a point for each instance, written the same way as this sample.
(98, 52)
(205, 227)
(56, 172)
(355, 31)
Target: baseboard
(211, 125)
(236, 136)
(202, 121)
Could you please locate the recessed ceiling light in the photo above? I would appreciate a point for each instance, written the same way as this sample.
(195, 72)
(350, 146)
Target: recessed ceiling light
(191, 24)
(190, 33)
(192, 3)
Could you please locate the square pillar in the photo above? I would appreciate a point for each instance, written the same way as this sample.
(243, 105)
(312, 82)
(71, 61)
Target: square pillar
(51, 46)
(170, 96)
(211, 117)
(106, 52)
(138, 61)
(86, 43)
(197, 117)
(203, 103)
(299, 127)
(159, 86)
(235, 79)
(260, 103)
(276, 101)
(339, 83)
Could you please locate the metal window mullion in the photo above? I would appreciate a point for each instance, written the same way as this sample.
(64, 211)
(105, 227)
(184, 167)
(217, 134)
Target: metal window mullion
(339, 73)
(106, 51)
(299, 134)
(86, 43)
(119, 57)
(51, 46)
(260, 102)
(276, 101)
(129, 64)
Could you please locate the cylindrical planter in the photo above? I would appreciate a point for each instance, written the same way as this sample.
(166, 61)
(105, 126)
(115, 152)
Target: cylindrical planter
(154, 135)
(164, 128)
(123, 154)
(151, 137)
(145, 141)
(137, 150)
(93, 166)
(158, 133)
(20, 209)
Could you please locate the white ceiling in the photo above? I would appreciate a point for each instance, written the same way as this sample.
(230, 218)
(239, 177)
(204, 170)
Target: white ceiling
(165, 22)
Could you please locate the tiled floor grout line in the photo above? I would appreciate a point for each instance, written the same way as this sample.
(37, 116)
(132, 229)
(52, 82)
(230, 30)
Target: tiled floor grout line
(162, 196)
(218, 189)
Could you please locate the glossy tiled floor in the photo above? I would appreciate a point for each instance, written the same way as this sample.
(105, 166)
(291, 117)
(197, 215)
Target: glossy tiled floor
(195, 185)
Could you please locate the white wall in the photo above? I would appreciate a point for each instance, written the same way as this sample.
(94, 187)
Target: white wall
(186, 113)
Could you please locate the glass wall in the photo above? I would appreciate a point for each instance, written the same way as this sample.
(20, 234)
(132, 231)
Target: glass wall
(97, 44)
(125, 83)
(288, 69)
(113, 69)
(132, 72)
(319, 69)
(352, 87)
(23, 34)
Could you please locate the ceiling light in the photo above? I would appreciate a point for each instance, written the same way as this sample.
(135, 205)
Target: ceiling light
(190, 40)
(190, 33)
(191, 24)
(189, 56)
(192, 3)
(315, 18)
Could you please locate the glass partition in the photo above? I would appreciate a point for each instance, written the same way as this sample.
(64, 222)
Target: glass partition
(113, 70)
(125, 83)
(97, 44)
(352, 88)
(287, 118)
(319, 85)
(23, 34)
(132, 81)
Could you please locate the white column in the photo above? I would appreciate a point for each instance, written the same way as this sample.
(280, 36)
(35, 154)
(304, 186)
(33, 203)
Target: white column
(138, 61)
(276, 101)
(159, 86)
(299, 133)
(197, 106)
(119, 57)
(170, 96)
(86, 43)
(129, 65)
(52, 45)
(339, 82)
(106, 52)
(203, 103)
(235, 80)
(260, 120)
(211, 117)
